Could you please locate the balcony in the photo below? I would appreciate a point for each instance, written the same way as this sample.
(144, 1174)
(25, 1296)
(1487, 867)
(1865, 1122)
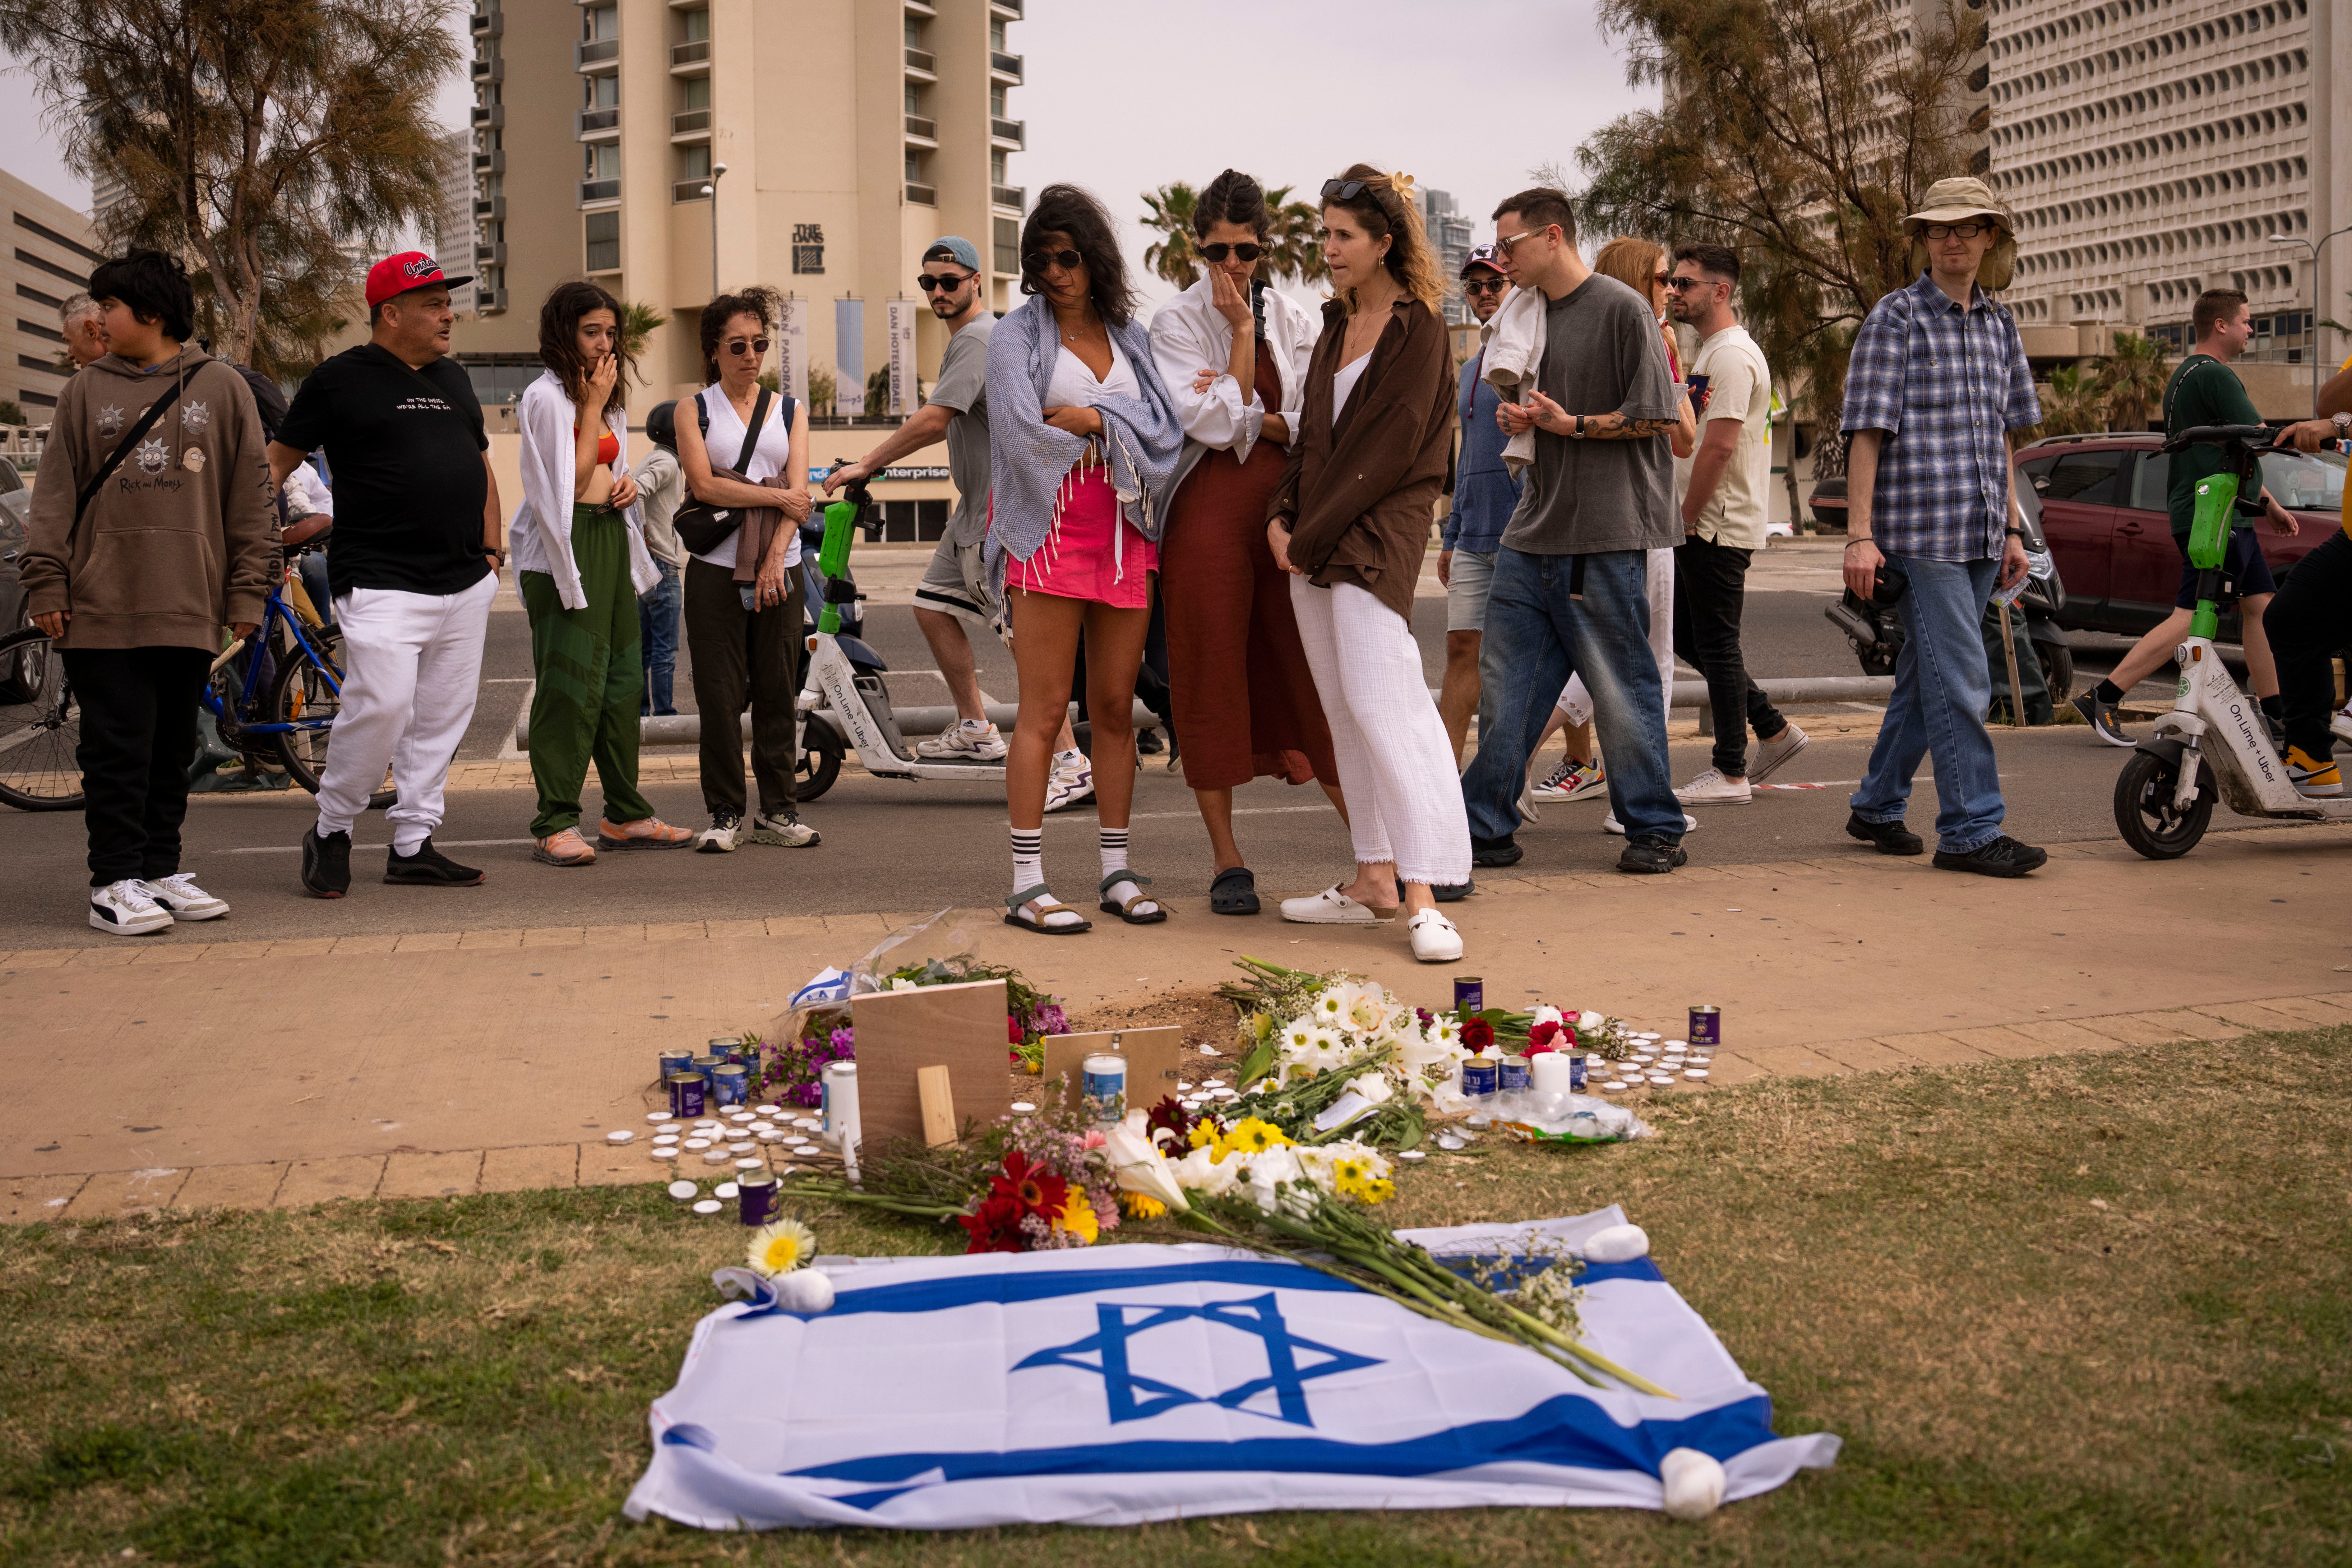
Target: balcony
(490, 255)
(489, 301)
(1005, 10)
(1004, 67)
(1010, 134)
(489, 116)
(599, 191)
(689, 191)
(487, 24)
(923, 195)
(924, 63)
(596, 124)
(921, 8)
(923, 128)
(491, 163)
(1014, 198)
(596, 55)
(490, 70)
(691, 58)
(691, 125)
(490, 208)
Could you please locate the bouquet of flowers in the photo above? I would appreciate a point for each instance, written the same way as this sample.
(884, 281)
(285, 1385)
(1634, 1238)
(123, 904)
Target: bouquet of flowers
(1030, 1014)
(1322, 1053)
(792, 1073)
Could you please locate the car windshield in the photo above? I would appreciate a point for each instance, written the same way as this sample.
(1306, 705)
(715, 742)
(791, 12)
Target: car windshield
(2306, 482)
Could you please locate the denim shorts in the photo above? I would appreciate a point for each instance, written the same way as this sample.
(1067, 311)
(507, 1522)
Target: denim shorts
(1472, 577)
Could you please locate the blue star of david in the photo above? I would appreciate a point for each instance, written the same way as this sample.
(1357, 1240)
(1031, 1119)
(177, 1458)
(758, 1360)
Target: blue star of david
(1132, 1398)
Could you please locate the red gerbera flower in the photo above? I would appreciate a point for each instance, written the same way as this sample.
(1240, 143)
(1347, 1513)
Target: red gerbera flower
(1012, 1030)
(995, 1228)
(1033, 1187)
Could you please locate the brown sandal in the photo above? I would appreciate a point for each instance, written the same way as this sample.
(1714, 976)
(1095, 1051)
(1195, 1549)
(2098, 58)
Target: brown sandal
(1047, 906)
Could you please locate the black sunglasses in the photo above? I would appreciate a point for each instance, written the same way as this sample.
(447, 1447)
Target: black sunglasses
(927, 281)
(1343, 190)
(1219, 251)
(1038, 260)
(755, 345)
(1485, 285)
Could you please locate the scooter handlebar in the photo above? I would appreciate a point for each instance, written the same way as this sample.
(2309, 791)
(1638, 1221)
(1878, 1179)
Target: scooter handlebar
(2222, 435)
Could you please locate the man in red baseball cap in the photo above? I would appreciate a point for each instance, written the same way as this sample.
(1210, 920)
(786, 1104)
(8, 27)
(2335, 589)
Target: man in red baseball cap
(417, 542)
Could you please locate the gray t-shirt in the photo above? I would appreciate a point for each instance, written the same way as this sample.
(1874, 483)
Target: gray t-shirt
(963, 385)
(1602, 354)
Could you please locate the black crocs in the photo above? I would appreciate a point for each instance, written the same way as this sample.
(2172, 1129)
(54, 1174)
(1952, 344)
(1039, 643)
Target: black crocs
(1235, 893)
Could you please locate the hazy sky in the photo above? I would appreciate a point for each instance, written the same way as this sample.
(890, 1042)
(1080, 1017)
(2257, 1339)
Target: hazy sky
(1131, 95)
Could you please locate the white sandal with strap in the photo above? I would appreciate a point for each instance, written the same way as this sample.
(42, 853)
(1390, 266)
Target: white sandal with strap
(1333, 908)
(1435, 940)
(1048, 907)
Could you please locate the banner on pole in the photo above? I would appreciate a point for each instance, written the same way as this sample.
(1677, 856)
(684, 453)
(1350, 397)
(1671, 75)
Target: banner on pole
(899, 316)
(792, 339)
(849, 357)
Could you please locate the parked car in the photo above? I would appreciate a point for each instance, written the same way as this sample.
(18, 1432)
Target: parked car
(15, 509)
(2103, 513)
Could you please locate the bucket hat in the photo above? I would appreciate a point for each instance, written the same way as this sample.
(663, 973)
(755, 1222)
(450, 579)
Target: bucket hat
(1957, 200)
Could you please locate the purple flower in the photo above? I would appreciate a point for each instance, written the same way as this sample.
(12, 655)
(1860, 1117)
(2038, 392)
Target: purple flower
(1049, 1019)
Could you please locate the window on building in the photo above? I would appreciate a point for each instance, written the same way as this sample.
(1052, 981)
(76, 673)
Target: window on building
(996, 175)
(603, 161)
(694, 92)
(996, 99)
(996, 32)
(697, 25)
(1008, 244)
(914, 167)
(914, 32)
(694, 162)
(603, 233)
(600, 22)
(914, 98)
(602, 92)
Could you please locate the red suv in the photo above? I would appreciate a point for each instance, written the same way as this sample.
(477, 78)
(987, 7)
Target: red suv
(2103, 512)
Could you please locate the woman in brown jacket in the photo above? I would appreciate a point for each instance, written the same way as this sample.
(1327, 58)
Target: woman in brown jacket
(1350, 521)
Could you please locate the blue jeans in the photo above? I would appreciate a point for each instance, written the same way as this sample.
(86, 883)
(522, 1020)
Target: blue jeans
(1943, 686)
(1540, 636)
(657, 631)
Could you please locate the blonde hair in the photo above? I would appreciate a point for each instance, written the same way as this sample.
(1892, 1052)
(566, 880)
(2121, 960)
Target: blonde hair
(1386, 210)
(1633, 263)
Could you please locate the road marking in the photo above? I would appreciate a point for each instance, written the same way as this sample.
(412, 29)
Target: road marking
(1826, 783)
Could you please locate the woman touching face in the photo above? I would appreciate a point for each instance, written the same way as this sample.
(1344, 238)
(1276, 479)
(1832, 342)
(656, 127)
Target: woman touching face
(599, 334)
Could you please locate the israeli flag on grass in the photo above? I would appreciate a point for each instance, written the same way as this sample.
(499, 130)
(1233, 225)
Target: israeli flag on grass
(1117, 1384)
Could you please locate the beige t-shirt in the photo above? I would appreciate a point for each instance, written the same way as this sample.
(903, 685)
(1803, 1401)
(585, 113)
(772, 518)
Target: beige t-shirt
(1739, 386)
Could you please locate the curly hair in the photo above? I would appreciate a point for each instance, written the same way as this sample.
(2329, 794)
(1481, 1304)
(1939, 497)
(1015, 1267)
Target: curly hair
(1232, 197)
(760, 301)
(1384, 210)
(1069, 211)
(154, 285)
(559, 339)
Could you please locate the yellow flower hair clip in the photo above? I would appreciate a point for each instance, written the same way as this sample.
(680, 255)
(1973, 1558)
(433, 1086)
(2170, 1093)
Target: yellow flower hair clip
(1404, 184)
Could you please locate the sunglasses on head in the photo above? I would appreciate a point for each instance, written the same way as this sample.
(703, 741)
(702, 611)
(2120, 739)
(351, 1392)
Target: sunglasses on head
(750, 346)
(927, 281)
(1346, 190)
(1039, 260)
(1219, 251)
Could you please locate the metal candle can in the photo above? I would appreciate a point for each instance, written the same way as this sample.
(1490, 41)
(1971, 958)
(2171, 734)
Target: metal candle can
(675, 1059)
(685, 1093)
(728, 1050)
(1478, 1076)
(1706, 1026)
(1469, 994)
(705, 1064)
(1576, 1072)
(839, 1085)
(1511, 1075)
(731, 1083)
(1102, 1081)
(757, 1194)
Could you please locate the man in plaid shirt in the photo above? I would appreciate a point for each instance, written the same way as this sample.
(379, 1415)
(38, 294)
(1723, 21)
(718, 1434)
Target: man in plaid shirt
(1938, 379)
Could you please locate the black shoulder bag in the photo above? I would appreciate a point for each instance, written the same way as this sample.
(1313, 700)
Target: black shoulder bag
(702, 527)
(122, 448)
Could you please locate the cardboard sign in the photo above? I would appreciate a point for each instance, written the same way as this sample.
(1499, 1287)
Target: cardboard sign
(1155, 1061)
(899, 1033)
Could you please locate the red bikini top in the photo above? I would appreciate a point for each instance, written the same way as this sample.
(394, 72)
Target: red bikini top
(608, 445)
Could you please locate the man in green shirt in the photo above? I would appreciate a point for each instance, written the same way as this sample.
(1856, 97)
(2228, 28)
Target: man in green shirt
(2204, 391)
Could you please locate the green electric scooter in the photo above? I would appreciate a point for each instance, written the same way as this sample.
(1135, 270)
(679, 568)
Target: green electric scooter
(2214, 741)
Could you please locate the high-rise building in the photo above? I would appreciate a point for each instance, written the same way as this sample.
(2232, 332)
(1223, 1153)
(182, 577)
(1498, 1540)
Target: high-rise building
(1449, 236)
(850, 133)
(451, 235)
(2151, 149)
(47, 258)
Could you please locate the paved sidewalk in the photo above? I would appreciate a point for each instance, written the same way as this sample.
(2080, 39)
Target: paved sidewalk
(249, 1074)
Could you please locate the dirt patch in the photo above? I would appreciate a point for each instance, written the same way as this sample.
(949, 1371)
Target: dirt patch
(1206, 1018)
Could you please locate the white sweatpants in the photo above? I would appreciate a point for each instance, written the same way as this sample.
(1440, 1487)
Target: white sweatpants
(1404, 795)
(1659, 589)
(412, 669)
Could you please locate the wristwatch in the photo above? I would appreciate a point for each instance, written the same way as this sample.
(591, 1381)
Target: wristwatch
(1578, 433)
(2343, 423)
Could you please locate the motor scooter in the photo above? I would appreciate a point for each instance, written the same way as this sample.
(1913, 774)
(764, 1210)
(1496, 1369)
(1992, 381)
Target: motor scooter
(2214, 741)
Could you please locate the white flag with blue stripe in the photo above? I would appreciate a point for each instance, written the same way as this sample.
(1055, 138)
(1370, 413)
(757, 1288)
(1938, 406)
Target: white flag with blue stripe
(1117, 1384)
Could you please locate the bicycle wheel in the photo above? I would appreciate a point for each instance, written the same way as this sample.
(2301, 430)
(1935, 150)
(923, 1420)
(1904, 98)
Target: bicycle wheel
(303, 692)
(40, 725)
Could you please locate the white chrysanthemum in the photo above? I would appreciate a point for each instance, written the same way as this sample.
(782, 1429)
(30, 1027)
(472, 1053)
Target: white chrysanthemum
(1444, 1030)
(1297, 1035)
(1330, 1006)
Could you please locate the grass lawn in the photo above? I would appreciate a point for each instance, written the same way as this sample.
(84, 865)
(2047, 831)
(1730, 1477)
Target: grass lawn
(2084, 1310)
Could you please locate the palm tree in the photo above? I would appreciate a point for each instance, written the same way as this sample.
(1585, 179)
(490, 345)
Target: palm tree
(1296, 239)
(1175, 258)
(2133, 381)
(2076, 404)
(638, 323)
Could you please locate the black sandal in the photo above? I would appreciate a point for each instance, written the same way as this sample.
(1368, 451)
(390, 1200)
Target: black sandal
(1235, 893)
(1047, 906)
(1126, 911)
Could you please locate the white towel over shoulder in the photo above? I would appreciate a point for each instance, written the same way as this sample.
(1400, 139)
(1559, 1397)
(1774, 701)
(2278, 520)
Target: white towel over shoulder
(1513, 343)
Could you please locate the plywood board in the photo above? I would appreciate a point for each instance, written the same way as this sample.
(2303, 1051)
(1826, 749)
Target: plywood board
(959, 1028)
(1155, 1062)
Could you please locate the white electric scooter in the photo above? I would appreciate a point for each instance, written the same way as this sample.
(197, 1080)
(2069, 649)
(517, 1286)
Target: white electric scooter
(2215, 739)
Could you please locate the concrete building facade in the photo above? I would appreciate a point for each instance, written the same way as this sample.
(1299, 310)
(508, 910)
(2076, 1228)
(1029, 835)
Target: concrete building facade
(852, 131)
(49, 252)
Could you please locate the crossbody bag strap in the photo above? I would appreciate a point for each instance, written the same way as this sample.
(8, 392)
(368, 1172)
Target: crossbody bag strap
(144, 423)
(751, 430)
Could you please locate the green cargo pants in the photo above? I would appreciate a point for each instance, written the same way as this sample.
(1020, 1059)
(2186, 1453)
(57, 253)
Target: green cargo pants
(590, 676)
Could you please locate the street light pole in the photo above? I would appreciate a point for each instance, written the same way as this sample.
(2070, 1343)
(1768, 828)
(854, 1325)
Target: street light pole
(712, 190)
(2315, 250)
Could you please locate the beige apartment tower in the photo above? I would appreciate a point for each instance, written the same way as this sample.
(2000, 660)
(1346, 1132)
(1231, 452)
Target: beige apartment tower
(49, 253)
(853, 132)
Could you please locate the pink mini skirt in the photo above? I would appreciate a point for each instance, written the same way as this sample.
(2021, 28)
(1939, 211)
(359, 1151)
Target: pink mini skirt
(1093, 553)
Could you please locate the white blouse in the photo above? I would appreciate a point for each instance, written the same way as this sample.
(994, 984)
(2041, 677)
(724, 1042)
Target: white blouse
(1073, 386)
(723, 443)
(1343, 385)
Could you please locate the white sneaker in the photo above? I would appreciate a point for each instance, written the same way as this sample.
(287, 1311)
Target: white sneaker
(784, 832)
(966, 741)
(1071, 782)
(725, 832)
(1434, 938)
(1610, 823)
(1711, 788)
(1332, 908)
(1574, 780)
(2341, 725)
(124, 908)
(1770, 754)
(182, 899)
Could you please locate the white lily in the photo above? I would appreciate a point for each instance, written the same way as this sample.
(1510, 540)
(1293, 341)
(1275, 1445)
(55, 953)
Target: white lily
(1199, 1172)
(1549, 1016)
(1588, 1022)
(1138, 1165)
(1374, 1087)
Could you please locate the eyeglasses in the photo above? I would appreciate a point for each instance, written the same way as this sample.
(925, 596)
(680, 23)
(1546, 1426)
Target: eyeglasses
(1219, 251)
(1679, 284)
(1661, 280)
(1503, 242)
(1485, 285)
(747, 346)
(1038, 260)
(1953, 230)
(928, 281)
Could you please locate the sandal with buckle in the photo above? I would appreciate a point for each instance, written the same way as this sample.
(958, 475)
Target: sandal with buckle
(1047, 907)
(1233, 893)
(1126, 911)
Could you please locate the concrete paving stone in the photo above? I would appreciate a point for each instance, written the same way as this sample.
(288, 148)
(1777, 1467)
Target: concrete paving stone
(2310, 1009)
(1864, 1055)
(125, 954)
(1793, 1061)
(172, 952)
(1727, 1068)
(2000, 1041)
(421, 1175)
(614, 936)
(2057, 1034)
(111, 1195)
(42, 958)
(472, 939)
(317, 1180)
(604, 1165)
(528, 1170)
(231, 1186)
(373, 945)
(716, 929)
(2143, 1028)
(676, 930)
(303, 947)
(867, 924)
(24, 1199)
(2338, 998)
(2251, 1015)
(555, 936)
(428, 941)
(1933, 1049)
(806, 927)
(238, 949)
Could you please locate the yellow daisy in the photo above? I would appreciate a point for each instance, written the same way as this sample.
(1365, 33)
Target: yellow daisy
(781, 1247)
(1078, 1217)
(1252, 1135)
(1142, 1206)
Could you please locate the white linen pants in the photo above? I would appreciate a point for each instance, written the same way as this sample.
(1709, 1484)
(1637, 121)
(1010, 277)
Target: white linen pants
(1576, 703)
(412, 669)
(1404, 797)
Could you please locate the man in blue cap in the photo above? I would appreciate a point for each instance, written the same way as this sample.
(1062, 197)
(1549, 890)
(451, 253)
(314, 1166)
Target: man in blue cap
(953, 594)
